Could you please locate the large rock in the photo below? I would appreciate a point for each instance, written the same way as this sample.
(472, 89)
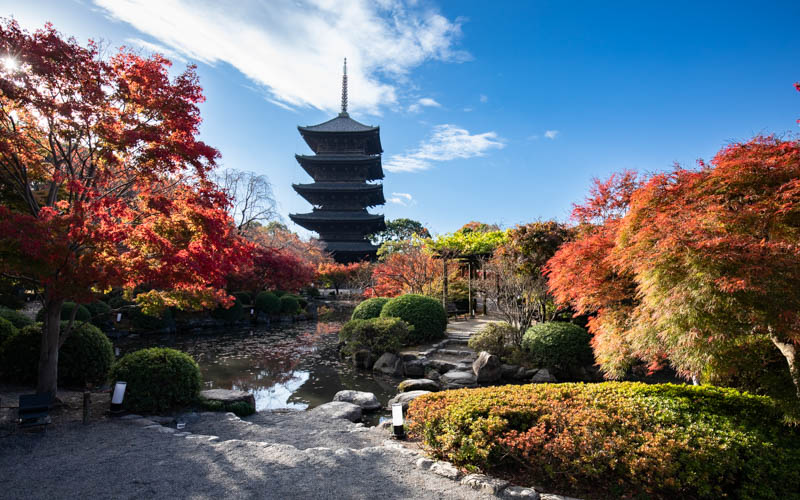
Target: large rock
(418, 384)
(458, 379)
(509, 372)
(440, 365)
(338, 409)
(432, 374)
(227, 396)
(406, 397)
(389, 364)
(366, 400)
(542, 376)
(487, 368)
(413, 368)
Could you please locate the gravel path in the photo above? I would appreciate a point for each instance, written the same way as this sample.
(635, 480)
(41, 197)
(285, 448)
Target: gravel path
(274, 456)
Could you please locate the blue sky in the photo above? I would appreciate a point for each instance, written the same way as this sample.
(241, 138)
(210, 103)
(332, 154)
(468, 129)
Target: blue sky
(500, 114)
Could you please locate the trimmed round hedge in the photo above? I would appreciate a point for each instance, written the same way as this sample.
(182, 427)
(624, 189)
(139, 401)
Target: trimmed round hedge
(268, 303)
(244, 298)
(425, 314)
(230, 315)
(377, 335)
(617, 439)
(16, 318)
(7, 329)
(100, 313)
(85, 357)
(560, 346)
(289, 304)
(159, 379)
(82, 314)
(370, 308)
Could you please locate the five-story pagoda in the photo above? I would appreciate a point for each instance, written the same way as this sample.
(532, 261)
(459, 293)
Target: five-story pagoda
(347, 155)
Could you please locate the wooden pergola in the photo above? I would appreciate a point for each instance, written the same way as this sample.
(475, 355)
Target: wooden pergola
(473, 261)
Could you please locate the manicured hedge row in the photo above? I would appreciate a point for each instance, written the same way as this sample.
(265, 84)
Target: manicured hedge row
(617, 439)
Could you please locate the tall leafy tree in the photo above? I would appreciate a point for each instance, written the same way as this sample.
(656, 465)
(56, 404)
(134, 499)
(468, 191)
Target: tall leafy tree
(399, 230)
(106, 181)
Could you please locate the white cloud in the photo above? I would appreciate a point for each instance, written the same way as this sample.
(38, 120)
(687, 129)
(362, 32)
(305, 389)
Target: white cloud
(484, 98)
(551, 134)
(423, 102)
(404, 199)
(156, 48)
(294, 48)
(448, 142)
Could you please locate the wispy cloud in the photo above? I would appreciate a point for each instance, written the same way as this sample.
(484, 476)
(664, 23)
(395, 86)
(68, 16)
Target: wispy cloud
(448, 142)
(551, 134)
(425, 102)
(404, 199)
(484, 98)
(294, 49)
(156, 48)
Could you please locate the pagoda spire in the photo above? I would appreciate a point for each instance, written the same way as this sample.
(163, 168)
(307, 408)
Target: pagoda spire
(344, 89)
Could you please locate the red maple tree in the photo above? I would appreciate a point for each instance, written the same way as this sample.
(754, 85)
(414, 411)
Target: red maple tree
(105, 182)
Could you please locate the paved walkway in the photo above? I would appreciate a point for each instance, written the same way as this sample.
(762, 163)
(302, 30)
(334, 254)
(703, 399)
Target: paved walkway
(268, 456)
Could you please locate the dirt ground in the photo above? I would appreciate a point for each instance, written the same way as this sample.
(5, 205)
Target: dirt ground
(68, 408)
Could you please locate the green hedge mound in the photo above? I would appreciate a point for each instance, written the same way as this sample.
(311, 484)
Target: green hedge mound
(425, 314)
(230, 315)
(289, 304)
(16, 318)
(377, 335)
(268, 303)
(85, 357)
(617, 439)
(100, 313)
(370, 308)
(561, 347)
(147, 322)
(159, 379)
(7, 329)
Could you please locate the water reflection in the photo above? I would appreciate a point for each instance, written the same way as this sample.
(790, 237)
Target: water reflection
(285, 367)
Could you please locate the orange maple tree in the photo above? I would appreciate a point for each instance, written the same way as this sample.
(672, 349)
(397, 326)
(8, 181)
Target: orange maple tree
(105, 182)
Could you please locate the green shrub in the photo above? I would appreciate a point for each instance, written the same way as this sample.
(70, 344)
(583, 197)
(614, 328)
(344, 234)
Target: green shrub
(244, 298)
(279, 293)
(241, 409)
(301, 301)
(425, 314)
(212, 405)
(289, 305)
(118, 301)
(147, 322)
(85, 357)
(492, 338)
(16, 318)
(100, 313)
(66, 312)
(230, 315)
(7, 329)
(377, 335)
(561, 347)
(370, 308)
(617, 439)
(159, 379)
(311, 291)
(268, 303)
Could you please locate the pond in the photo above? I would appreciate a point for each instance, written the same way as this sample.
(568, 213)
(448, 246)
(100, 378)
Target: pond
(285, 366)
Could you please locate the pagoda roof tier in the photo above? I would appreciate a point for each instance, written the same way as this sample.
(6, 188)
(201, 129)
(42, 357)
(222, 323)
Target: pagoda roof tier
(342, 134)
(354, 194)
(342, 166)
(342, 221)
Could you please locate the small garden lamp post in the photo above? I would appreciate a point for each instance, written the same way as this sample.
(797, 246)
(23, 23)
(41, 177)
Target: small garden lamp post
(397, 421)
(117, 397)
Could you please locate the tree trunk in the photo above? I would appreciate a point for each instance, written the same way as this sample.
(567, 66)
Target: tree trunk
(789, 351)
(48, 353)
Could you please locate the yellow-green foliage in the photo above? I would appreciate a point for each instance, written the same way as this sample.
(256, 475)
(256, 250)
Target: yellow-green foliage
(617, 439)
